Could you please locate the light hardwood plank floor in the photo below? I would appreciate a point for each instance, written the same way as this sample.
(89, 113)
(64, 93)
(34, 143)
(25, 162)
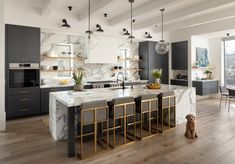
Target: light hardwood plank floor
(28, 141)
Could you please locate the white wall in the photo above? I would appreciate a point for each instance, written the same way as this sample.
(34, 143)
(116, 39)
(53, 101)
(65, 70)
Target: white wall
(201, 43)
(2, 68)
(216, 57)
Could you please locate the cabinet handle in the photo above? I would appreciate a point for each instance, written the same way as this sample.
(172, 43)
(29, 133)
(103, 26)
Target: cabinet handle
(23, 110)
(24, 91)
(25, 99)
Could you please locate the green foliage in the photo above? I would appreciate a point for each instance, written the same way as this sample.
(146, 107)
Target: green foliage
(78, 76)
(207, 72)
(157, 73)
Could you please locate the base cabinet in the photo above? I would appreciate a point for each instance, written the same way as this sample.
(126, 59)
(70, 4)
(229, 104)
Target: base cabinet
(205, 87)
(179, 82)
(23, 102)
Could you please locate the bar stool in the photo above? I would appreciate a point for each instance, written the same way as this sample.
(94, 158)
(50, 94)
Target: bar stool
(167, 110)
(122, 113)
(92, 114)
(147, 108)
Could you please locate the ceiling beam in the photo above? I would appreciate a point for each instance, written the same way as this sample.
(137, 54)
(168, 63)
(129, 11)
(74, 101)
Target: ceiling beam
(48, 6)
(143, 9)
(206, 6)
(96, 5)
(199, 20)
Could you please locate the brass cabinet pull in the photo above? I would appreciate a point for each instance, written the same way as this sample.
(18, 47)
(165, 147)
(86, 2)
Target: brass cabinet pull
(25, 99)
(23, 110)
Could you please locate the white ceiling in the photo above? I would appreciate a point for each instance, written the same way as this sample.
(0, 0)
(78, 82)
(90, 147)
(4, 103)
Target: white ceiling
(179, 13)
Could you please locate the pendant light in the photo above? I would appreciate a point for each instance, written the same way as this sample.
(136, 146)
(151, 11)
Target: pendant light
(162, 47)
(90, 35)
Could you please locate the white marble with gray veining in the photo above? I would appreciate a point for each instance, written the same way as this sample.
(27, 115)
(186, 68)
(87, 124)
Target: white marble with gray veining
(59, 101)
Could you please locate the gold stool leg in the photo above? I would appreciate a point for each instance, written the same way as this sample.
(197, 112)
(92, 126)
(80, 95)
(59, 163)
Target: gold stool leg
(81, 141)
(114, 138)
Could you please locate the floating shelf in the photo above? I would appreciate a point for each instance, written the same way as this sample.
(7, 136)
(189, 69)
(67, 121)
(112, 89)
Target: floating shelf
(66, 70)
(195, 67)
(49, 57)
(127, 69)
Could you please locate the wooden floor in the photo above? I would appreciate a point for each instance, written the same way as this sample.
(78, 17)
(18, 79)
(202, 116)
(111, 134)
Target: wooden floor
(28, 141)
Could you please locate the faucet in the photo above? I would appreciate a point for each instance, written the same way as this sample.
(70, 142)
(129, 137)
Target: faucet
(123, 79)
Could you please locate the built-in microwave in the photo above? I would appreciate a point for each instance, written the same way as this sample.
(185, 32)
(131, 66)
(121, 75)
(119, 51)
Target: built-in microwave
(23, 75)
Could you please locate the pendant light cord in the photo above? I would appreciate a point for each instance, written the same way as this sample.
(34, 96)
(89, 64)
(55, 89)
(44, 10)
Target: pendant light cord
(89, 15)
(131, 21)
(162, 22)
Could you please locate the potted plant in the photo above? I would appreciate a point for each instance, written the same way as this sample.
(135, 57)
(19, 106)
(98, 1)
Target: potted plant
(78, 76)
(157, 74)
(208, 74)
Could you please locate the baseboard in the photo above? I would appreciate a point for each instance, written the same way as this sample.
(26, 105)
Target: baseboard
(3, 122)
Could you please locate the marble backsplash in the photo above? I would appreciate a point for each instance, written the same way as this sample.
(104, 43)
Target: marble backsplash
(52, 45)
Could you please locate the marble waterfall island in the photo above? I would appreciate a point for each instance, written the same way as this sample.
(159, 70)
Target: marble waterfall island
(61, 102)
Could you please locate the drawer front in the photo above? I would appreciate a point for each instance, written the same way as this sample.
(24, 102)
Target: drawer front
(22, 91)
(23, 105)
(24, 100)
(179, 82)
(23, 110)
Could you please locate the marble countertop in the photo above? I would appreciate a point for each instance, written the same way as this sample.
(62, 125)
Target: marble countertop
(73, 98)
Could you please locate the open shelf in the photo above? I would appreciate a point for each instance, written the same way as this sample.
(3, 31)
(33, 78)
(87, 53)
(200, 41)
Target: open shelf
(66, 70)
(195, 67)
(50, 57)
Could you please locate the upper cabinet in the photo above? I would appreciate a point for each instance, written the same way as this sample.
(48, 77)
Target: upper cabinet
(106, 50)
(151, 60)
(179, 52)
(22, 44)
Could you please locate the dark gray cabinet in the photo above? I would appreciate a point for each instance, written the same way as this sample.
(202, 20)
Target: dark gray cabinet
(205, 87)
(31, 44)
(23, 102)
(151, 60)
(179, 52)
(22, 44)
(13, 44)
(45, 97)
(179, 82)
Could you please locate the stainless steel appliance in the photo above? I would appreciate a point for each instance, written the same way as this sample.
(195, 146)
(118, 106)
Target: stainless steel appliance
(23, 75)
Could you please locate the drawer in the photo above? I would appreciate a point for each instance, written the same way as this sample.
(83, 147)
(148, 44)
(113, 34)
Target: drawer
(24, 100)
(23, 110)
(22, 91)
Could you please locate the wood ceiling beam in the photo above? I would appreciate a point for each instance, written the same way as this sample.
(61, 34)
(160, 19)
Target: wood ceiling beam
(200, 20)
(204, 7)
(48, 7)
(143, 9)
(96, 6)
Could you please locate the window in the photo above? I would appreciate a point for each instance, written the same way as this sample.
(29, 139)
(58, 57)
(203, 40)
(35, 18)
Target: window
(229, 62)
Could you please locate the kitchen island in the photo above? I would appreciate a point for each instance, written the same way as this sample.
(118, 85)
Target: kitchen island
(63, 107)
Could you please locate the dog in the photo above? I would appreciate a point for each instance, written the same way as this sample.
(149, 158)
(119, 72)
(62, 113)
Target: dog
(190, 127)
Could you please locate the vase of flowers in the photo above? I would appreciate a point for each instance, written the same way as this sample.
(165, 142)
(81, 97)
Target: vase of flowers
(157, 74)
(78, 76)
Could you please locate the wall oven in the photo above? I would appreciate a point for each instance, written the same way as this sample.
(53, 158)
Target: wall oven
(23, 75)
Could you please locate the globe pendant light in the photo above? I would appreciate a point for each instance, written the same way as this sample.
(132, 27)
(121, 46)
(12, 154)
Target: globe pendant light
(129, 41)
(162, 47)
(91, 38)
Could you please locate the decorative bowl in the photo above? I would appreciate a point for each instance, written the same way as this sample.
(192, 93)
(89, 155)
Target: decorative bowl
(153, 86)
